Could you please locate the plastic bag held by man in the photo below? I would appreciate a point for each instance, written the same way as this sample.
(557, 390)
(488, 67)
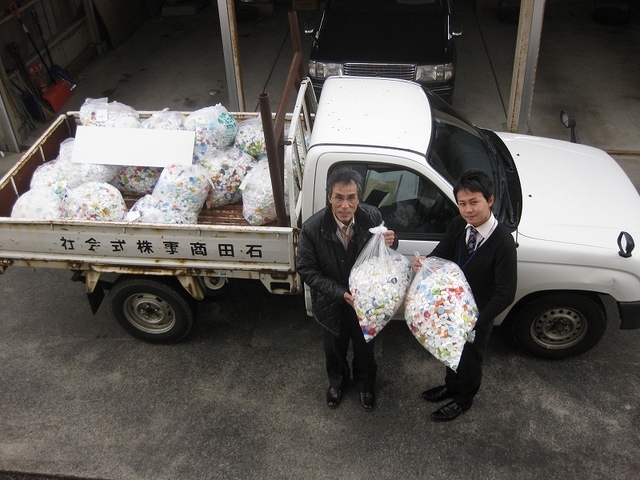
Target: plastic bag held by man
(440, 310)
(378, 283)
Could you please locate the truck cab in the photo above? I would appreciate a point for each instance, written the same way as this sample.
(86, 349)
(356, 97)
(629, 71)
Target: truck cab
(410, 146)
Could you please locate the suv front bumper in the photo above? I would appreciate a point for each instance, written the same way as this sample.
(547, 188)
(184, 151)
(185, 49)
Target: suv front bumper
(444, 91)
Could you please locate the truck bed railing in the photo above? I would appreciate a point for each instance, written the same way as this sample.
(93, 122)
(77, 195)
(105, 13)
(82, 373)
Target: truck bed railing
(306, 105)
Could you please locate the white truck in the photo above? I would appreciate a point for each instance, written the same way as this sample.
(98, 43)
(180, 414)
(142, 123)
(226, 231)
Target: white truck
(573, 212)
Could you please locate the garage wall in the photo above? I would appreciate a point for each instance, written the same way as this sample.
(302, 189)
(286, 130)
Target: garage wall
(56, 18)
(73, 38)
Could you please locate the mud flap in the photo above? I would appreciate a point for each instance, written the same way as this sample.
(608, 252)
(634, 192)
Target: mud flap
(95, 297)
(97, 287)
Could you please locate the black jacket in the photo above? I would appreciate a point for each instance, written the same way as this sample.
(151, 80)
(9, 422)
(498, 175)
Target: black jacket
(324, 265)
(491, 272)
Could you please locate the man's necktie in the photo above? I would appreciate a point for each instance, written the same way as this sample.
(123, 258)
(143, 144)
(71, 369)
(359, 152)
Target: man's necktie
(471, 241)
(345, 236)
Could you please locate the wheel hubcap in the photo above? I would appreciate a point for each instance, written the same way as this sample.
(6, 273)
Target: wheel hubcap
(149, 313)
(559, 328)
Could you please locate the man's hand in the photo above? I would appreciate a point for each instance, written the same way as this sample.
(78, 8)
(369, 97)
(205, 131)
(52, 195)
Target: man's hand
(416, 263)
(389, 237)
(348, 298)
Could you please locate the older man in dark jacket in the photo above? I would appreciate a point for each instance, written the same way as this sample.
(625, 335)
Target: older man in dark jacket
(329, 243)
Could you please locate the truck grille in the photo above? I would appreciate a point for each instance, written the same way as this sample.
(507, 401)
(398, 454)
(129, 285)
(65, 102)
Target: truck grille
(404, 71)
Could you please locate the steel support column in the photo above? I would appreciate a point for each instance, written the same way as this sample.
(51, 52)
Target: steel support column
(524, 65)
(228, 27)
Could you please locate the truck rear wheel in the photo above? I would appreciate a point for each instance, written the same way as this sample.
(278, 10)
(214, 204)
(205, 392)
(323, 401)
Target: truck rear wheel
(560, 325)
(151, 310)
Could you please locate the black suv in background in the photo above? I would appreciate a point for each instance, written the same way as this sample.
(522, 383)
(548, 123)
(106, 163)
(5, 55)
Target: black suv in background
(408, 39)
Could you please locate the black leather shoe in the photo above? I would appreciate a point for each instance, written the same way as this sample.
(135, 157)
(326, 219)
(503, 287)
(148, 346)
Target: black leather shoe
(333, 397)
(437, 394)
(367, 400)
(447, 412)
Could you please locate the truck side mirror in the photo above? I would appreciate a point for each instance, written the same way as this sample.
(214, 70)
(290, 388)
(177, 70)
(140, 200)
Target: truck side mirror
(625, 244)
(569, 122)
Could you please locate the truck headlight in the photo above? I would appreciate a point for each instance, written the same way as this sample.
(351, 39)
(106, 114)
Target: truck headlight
(434, 73)
(324, 70)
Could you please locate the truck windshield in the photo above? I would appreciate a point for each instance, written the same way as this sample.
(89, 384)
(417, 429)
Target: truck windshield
(457, 145)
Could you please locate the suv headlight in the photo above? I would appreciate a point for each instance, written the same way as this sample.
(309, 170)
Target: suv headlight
(434, 73)
(324, 70)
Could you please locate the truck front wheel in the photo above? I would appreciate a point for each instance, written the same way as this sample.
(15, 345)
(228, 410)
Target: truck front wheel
(151, 310)
(560, 325)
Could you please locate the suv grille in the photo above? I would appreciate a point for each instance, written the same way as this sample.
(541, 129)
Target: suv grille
(404, 71)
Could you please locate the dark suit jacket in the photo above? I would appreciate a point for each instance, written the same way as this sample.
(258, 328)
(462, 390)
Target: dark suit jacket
(324, 265)
(491, 272)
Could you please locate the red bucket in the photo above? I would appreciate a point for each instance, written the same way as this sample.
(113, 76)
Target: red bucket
(57, 95)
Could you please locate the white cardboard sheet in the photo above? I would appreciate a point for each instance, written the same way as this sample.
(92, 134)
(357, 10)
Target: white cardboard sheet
(146, 147)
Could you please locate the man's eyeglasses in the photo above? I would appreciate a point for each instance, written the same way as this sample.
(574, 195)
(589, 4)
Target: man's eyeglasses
(339, 199)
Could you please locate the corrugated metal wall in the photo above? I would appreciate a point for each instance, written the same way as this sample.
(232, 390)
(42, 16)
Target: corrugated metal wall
(56, 17)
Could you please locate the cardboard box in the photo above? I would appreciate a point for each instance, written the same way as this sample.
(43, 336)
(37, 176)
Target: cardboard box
(305, 4)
